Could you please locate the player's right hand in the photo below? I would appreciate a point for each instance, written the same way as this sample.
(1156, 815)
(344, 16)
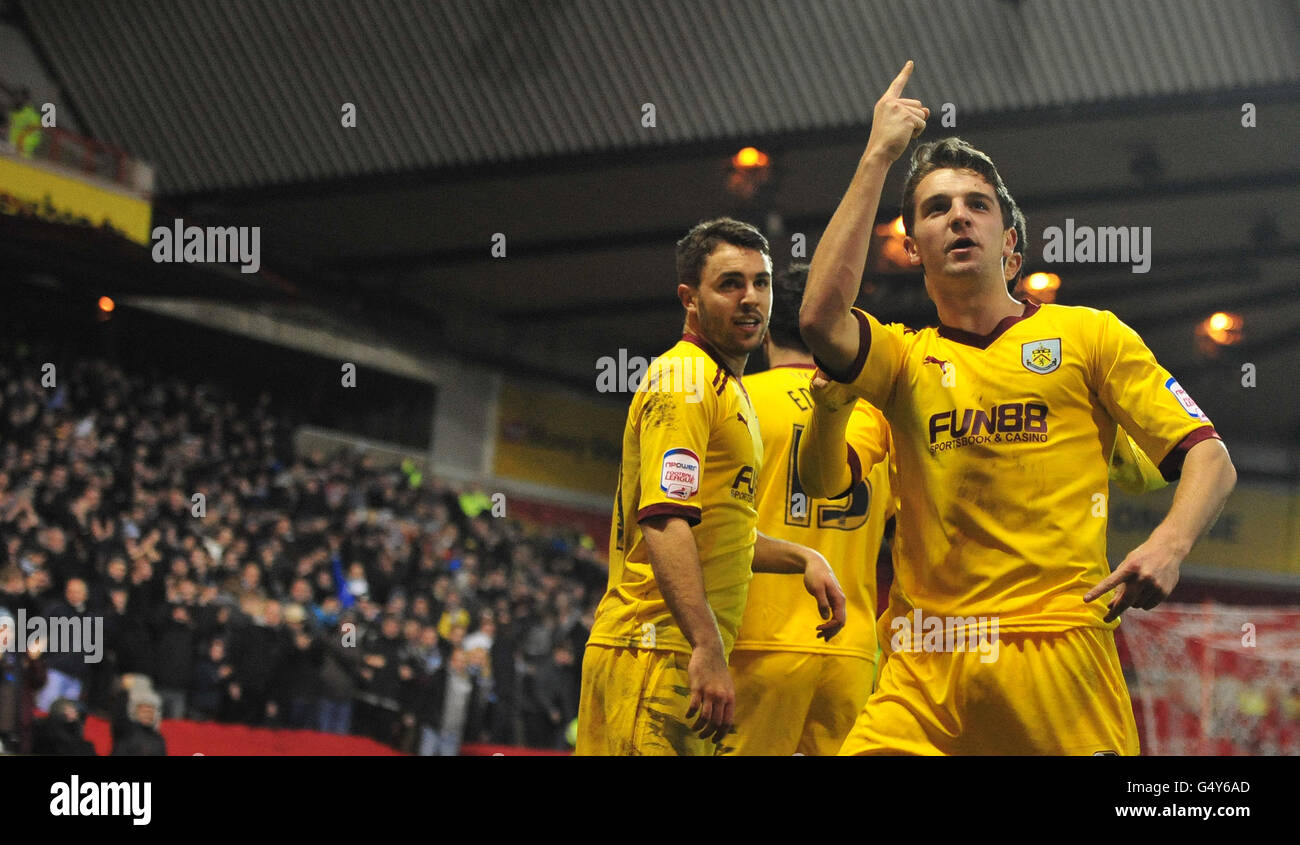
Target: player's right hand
(712, 694)
(896, 121)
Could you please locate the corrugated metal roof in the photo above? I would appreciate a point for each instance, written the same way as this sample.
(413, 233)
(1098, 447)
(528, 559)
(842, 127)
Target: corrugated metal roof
(243, 93)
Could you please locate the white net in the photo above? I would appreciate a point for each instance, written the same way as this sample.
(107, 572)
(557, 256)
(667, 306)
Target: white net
(1215, 679)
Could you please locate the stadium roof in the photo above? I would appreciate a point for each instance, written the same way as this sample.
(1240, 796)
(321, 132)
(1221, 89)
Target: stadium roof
(243, 93)
(524, 118)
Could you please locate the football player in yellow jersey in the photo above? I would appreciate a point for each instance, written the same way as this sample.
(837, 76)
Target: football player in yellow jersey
(1003, 420)
(794, 691)
(1131, 470)
(683, 541)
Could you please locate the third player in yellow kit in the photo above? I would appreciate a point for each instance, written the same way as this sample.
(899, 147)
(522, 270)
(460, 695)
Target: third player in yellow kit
(794, 691)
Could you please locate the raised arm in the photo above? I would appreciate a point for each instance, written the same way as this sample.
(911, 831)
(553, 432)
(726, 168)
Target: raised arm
(1149, 573)
(825, 320)
(823, 458)
(675, 560)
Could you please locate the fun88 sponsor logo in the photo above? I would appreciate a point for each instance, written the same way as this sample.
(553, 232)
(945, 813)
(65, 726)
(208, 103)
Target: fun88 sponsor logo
(1012, 422)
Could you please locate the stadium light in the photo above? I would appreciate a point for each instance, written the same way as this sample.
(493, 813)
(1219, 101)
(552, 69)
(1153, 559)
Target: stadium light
(1223, 328)
(750, 171)
(1042, 286)
(1042, 282)
(887, 254)
(750, 158)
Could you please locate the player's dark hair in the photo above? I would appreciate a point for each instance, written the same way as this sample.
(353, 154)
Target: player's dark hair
(694, 249)
(787, 296)
(953, 154)
(1022, 241)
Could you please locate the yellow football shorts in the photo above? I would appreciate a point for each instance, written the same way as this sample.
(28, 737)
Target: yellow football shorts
(792, 702)
(1059, 693)
(633, 702)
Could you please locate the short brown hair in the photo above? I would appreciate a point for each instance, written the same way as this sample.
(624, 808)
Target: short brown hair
(953, 154)
(698, 244)
(1022, 239)
(787, 296)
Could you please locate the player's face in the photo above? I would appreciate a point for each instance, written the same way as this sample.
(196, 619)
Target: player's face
(957, 228)
(731, 306)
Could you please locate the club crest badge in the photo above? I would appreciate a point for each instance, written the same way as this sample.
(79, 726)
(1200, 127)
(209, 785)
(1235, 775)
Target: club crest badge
(1041, 356)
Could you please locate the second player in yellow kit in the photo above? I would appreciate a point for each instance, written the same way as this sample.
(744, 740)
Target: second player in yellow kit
(683, 538)
(795, 692)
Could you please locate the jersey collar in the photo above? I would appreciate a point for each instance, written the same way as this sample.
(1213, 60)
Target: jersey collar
(692, 337)
(982, 341)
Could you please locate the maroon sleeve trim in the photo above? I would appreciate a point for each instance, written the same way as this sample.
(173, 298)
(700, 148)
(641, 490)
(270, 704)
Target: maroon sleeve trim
(690, 513)
(855, 472)
(864, 346)
(1171, 468)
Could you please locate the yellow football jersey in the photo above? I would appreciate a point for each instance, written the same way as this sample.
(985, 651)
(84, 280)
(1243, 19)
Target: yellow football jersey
(1003, 445)
(1130, 468)
(779, 616)
(691, 448)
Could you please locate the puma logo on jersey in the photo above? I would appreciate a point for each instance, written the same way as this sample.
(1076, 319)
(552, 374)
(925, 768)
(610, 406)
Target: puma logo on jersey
(945, 367)
(741, 417)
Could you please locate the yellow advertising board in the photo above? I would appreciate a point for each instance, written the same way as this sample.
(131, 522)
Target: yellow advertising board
(29, 189)
(558, 439)
(1259, 530)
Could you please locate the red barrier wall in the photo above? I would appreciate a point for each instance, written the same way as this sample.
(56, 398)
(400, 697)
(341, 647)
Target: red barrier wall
(185, 738)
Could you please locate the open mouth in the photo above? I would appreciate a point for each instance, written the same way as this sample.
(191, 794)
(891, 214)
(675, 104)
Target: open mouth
(749, 322)
(961, 243)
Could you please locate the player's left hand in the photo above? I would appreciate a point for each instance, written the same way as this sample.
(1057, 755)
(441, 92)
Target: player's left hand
(831, 395)
(1144, 579)
(820, 582)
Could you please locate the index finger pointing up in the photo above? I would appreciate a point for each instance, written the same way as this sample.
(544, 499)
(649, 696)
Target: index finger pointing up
(896, 87)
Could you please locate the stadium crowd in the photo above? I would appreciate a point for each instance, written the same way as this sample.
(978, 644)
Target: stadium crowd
(239, 582)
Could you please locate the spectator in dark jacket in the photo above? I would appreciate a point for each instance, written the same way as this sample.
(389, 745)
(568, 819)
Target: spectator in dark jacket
(176, 643)
(21, 675)
(338, 684)
(68, 670)
(139, 736)
(129, 633)
(297, 690)
(554, 701)
(59, 734)
(261, 651)
(213, 674)
(505, 657)
(381, 656)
